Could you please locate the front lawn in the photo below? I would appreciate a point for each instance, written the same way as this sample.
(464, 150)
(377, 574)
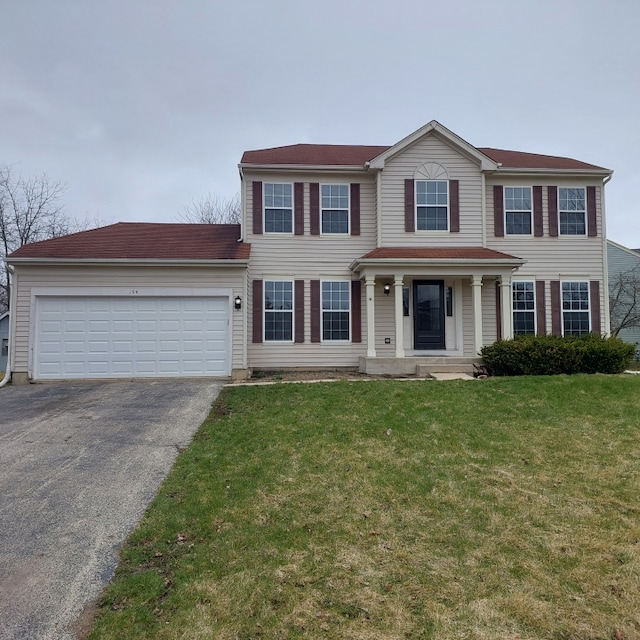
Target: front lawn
(502, 508)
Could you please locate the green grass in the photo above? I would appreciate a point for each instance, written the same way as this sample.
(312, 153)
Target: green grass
(504, 508)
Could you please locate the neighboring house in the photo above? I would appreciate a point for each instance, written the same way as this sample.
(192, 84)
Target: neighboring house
(392, 259)
(624, 290)
(4, 342)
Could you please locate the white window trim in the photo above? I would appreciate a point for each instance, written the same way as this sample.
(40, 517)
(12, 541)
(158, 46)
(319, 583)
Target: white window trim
(535, 304)
(586, 217)
(588, 311)
(415, 208)
(335, 233)
(504, 208)
(322, 310)
(265, 311)
(264, 210)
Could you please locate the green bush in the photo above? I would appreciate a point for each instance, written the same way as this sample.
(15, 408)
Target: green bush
(548, 355)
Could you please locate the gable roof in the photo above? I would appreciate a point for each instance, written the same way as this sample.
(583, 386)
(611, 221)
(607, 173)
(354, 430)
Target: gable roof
(346, 155)
(144, 240)
(451, 139)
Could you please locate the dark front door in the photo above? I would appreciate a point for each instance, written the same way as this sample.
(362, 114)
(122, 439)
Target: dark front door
(428, 314)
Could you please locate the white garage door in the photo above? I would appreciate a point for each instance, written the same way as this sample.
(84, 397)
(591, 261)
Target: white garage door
(122, 337)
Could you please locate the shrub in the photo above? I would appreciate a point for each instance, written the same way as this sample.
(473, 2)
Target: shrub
(551, 355)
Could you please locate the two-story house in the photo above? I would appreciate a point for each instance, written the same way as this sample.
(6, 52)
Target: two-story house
(395, 259)
(385, 256)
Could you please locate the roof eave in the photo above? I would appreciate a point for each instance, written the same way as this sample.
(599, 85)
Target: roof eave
(185, 262)
(521, 171)
(360, 263)
(243, 166)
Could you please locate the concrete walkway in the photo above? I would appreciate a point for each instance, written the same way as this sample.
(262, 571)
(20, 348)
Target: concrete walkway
(79, 463)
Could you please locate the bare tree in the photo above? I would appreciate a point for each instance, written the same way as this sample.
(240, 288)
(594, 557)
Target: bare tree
(624, 300)
(212, 209)
(30, 210)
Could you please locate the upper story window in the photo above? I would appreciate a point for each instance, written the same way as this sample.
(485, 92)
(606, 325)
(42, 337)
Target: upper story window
(335, 208)
(524, 308)
(432, 205)
(575, 308)
(336, 306)
(278, 311)
(572, 211)
(517, 210)
(278, 208)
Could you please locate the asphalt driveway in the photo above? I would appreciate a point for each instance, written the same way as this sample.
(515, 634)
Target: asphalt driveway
(79, 463)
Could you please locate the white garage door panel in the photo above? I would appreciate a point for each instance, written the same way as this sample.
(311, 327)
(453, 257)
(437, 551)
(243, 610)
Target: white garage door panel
(107, 337)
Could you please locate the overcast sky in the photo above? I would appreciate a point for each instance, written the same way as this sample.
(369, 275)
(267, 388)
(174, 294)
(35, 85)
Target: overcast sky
(140, 106)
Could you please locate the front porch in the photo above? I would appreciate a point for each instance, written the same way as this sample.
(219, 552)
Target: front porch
(426, 310)
(419, 366)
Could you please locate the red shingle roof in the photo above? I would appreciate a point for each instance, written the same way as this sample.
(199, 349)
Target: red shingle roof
(314, 154)
(357, 155)
(140, 240)
(521, 160)
(446, 253)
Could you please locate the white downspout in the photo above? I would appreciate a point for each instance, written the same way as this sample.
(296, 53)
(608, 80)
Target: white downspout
(12, 307)
(605, 261)
(379, 208)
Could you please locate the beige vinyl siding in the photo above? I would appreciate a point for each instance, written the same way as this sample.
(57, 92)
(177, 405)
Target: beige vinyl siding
(342, 244)
(431, 149)
(111, 276)
(306, 257)
(553, 258)
(489, 322)
(468, 346)
(267, 355)
(385, 320)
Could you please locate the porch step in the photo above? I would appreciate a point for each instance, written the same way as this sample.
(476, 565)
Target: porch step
(421, 366)
(423, 370)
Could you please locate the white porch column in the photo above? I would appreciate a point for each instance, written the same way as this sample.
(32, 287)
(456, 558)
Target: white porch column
(505, 307)
(397, 292)
(370, 284)
(476, 297)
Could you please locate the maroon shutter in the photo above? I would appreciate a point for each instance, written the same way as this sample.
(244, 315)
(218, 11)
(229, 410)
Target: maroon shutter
(299, 303)
(257, 310)
(552, 194)
(541, 308)
(314, 202)
(498, 211)
(298, 207)
(257, 207)
(538, 228)
(454, 206)
(498, 311)
(315, 311)
(594, 287)
(556, 308)
(355, 209)
(409, 206)
(592, 222)
(356, 311)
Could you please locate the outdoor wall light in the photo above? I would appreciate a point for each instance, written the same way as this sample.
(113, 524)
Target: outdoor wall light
(387, 289)
(237, 303)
